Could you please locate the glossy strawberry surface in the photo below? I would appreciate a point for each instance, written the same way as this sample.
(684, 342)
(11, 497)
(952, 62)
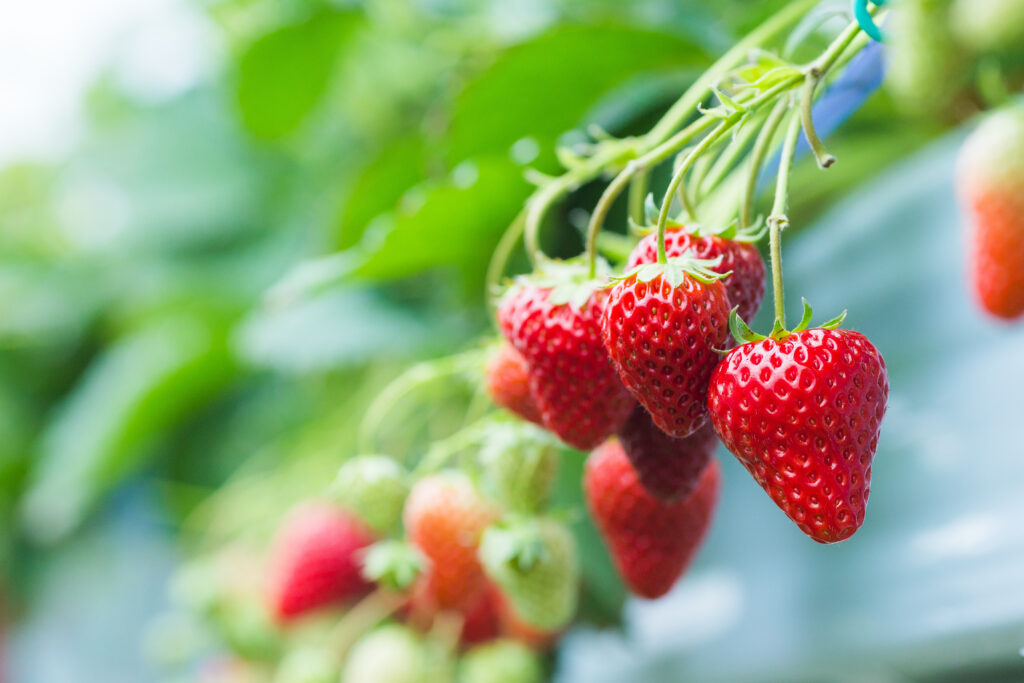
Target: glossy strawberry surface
(745, 287)
(315, 560)
(580, 396)
(508, 383)
(803, 416)
(663, 341)
(651, 542)
(444, 518)
(668, 468)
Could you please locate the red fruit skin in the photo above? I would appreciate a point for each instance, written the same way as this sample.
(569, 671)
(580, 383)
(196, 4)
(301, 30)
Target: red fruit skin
(315, 561)
(668, 468)
(990, 181)
(997, 253)
(444, 518)
(745, 287)
(652, 543)
(662, 341)
(580, 396)
(508, 383)
(803, 416)
(482, 622)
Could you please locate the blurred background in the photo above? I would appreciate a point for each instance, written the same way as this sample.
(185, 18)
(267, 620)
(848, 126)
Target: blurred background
(225, 225)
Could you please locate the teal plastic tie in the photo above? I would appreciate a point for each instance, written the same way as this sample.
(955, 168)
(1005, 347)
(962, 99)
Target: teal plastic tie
(866, 21)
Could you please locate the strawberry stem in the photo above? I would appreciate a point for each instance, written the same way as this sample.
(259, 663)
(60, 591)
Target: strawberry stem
(363, 616)
(778, 220)
(677, 179)
(761, 147)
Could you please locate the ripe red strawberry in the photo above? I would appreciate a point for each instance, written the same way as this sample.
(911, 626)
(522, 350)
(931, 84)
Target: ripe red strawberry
(482, 621)
(444, 518)
(803, 416)
(508, 383)
(553, 320)
(315, 561)
(991, 180)
(668, 468)
(662, 325)
(745, 287)
(651, 542)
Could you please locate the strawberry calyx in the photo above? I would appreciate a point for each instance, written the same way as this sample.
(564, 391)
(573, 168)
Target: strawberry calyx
(392, 564)
(742, 333)
(516, 542)
(675, 271)
(568, 281)
(752, 233)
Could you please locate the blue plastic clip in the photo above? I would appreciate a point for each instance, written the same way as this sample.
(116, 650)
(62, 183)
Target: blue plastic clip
(864, 18)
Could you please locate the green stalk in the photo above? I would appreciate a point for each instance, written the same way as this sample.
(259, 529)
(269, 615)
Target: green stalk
(757, 155)
(778, 220)
(766, 32)
(677, 178)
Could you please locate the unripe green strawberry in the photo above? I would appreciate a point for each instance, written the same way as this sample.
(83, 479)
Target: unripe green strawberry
(373, 487)
(989, 25)
(396, 654)
(926, 71)
(308, 665)
(990, 176)
(534, 564)
(521, 462)
(501, 661)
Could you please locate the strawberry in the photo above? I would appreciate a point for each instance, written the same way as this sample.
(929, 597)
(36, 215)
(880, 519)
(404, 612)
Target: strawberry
(521, 462)
(991, 182)
(668, 468)
(662, 324)
(744, 287)
(508, 383)
(651, 542)
(444, 519)
(372, 487)
(481, 622)
(553, 319)
(803, 415)
(534, 564)
(502, 661)
(396, 654)
(315, 559)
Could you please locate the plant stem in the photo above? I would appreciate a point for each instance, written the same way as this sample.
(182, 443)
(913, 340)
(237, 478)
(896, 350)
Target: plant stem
(763, 34)
(814, 75)
(407, 382)
(778, 221)
(363, 616)
(499, 259)
(729, 157)
(757, 155)
(677, 179)
(637, 194)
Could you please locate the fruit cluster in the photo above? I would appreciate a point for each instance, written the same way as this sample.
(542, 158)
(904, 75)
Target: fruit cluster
(441, 572)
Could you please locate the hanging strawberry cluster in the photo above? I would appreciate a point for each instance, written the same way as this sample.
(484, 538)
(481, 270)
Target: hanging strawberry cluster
(647, 366)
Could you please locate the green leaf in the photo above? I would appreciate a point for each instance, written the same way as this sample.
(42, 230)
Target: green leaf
(284, 74)
(544, 87)
(393, 564)
(457, 224)
(379, 186)
(805, 320)
(133, 394)
(834, 322)
(741, 332)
